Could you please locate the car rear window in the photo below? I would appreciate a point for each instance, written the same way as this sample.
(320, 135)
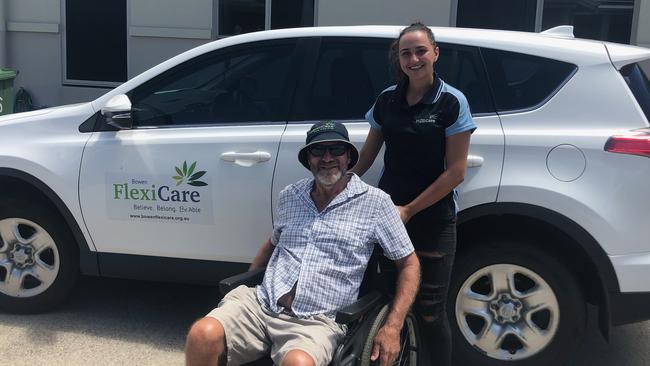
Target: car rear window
(637, 76)
(522, 81)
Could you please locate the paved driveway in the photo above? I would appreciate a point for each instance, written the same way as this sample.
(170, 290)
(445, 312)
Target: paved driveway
(116, 322)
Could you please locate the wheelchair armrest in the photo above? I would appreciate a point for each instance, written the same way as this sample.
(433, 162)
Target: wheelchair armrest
(250, 279)
(358, 308)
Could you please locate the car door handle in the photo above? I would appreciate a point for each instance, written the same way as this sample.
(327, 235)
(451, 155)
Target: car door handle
(474, 161)
(246, 159)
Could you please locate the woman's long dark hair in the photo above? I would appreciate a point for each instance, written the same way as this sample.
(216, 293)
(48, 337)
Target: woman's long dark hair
(393, 53)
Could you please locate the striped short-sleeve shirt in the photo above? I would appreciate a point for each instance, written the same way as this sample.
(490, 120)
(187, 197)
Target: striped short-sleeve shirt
(326, 253)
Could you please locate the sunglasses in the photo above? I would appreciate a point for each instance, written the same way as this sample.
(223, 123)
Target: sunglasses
(335, 150)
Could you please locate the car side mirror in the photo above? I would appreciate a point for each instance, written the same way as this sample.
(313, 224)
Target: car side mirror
(117, 112)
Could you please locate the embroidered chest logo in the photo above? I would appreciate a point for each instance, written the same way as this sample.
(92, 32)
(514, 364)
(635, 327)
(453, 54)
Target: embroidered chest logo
(431, 119)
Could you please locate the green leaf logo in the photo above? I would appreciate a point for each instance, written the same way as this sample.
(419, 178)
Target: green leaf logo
(188, 175)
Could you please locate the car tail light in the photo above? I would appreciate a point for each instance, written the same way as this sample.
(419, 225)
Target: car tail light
(634, 143)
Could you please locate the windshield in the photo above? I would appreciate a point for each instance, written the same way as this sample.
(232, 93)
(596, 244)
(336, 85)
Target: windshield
(637, 76)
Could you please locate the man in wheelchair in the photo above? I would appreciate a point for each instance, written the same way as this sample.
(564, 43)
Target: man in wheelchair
(325, 233)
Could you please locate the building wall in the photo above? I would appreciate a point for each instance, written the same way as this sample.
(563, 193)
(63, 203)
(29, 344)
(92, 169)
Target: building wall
(160, 29)
(345, 12)
(642, 35)
(157, 30)
(33, 44)
(3, 34)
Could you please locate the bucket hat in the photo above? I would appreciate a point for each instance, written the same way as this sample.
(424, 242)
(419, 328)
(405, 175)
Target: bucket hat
(327, 131)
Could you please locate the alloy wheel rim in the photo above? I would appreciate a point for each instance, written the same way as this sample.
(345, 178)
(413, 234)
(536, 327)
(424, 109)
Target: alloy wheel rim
(29, 258)
(507, 312)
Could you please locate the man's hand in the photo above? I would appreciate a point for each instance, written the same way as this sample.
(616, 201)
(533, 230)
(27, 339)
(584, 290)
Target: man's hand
(386, 345)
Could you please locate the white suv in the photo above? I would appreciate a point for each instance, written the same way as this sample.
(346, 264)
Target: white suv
(175, 174)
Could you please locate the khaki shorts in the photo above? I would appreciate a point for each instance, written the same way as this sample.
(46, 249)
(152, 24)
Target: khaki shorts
(252, 331)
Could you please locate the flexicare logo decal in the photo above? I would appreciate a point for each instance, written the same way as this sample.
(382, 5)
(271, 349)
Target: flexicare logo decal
(187, 175)
(184, 196)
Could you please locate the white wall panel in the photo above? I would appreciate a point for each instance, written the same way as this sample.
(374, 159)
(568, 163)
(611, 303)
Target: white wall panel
(345, 12)
(194, 14)
(643, 27)
(37, 56)
(34, 11)
(146, 52)
(160, 29)
(3, 34)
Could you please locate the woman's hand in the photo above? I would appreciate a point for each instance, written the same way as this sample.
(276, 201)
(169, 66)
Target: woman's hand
(457, 150)
(404, 213)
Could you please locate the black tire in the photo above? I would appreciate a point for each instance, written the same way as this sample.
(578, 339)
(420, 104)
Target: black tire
(409, 340)
(533, 271)
(59, 256)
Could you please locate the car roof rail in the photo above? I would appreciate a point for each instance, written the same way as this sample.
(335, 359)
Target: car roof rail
(563, 31)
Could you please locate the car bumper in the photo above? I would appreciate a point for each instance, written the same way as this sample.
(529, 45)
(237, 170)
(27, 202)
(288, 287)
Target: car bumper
(632, 303)
(630, 307)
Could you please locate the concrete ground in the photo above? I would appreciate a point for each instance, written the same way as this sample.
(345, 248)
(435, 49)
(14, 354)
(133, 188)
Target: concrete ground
(118, 322)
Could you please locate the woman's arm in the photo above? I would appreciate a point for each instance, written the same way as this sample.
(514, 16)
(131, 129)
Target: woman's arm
(369, 151)
(456, 151)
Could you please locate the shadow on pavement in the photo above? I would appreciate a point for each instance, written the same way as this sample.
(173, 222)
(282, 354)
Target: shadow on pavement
(135, 311)
(159, 315)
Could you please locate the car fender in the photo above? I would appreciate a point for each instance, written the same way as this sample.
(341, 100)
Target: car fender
(608, 283)
(88, 258)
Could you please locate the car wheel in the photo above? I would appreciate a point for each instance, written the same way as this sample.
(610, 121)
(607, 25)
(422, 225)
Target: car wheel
(514, 305)
(38, 258)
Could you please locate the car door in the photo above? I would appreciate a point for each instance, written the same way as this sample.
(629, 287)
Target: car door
(342, 81)
(349, 74)
(192, 178)
(462, 67)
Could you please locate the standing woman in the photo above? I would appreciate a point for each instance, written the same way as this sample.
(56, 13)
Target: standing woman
(426, 125)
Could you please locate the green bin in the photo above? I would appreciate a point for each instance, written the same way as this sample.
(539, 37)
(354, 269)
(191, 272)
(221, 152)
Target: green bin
(7, 77)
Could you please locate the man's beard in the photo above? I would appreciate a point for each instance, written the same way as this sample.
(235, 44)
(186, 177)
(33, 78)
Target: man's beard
(326, 178)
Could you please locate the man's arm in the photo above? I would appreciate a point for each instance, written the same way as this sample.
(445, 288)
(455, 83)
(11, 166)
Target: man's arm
(263, 255)
(387, 346)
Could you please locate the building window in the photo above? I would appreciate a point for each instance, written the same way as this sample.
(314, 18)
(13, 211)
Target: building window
(243, 16)
(606, 20)
(517, 15)
(95, 42)
(292, 13)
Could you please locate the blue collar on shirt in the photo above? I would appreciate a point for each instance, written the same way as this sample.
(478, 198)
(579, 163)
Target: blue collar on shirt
(430, 97)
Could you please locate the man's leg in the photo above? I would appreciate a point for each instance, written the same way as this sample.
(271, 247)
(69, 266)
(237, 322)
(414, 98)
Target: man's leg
(206, 343)
(298, 357)
(234, 333)
(303, 342)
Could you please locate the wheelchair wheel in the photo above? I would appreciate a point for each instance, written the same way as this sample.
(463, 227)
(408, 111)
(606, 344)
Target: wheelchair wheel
(409, 338)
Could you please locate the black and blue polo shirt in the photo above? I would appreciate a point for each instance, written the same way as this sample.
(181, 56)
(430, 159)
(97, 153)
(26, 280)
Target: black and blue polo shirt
(415, 138)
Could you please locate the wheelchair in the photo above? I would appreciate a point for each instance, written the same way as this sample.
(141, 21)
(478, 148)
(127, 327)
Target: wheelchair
(364, 318)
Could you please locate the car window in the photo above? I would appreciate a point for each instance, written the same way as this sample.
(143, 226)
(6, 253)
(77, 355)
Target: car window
(243, 84)
(522, 81)
(637, 76)
(462, 68)
(349, 75)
